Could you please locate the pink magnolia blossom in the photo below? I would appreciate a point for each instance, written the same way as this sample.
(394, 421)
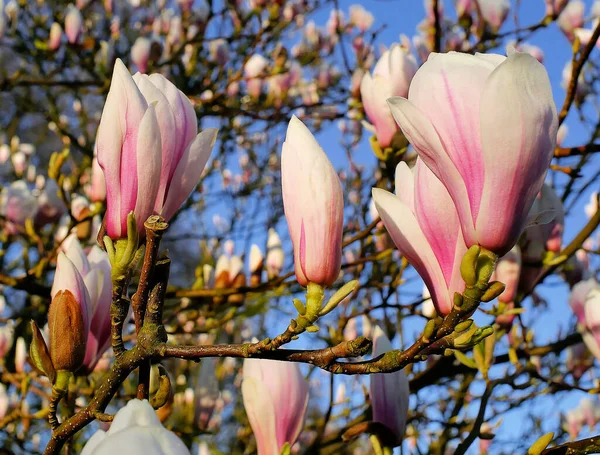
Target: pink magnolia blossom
(275, 396)
(389, 391)
(140, 53)
(253, 69)
(18, 204)
(391, 77)
(463, 7)
(585, 303)
(554, 7)
(275, 255)
(314, 206)
(578, 360)
(507, 271)
(424, 225)
(97, 192)
(6, 339)
(361, 18)
(148, 148)
(73, 25)
(461, 130)
(494, 12)
(55, 36)
(571, 17)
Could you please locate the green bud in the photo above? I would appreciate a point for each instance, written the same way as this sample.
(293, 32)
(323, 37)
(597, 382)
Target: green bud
(312, 328)
(458, 299)
(468, 265)
(486, 265)
(299, 306)
(482, 333)
(429, 330)
(538, 446)
(340, 295)
(494, 289)
(463, 326)
(465, 338)
(164, 392)
(40, 355)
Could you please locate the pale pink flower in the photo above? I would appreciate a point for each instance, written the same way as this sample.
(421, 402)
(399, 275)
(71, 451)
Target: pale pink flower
(391, 77)
(73, 25)
(55, 36)
(458, 111)
(140, 53)
(494, 12)
(571, 17)
(424, 225)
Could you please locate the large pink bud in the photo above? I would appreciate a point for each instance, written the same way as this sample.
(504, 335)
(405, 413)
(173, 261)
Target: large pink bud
(148, 148)
(73, 24)
(424, 225)
(389, 391)
(391, 77)
(314, 206)
(275, 396)
(486, 126)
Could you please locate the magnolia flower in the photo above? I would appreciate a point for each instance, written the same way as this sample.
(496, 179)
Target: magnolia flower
(148, 148)
(391, 77)
(585, 303)
(571, 17)
(68, 316)
(73, 24)
(140, 53)
(18, 203)
(361, 18)
(254, 68)
(6, 338)
(314, 206)
(55, 36)
(459, 110)
(507, 271)
(275, 396)
(135, 430)
(494, 12)
(389, 391)
(424, 225)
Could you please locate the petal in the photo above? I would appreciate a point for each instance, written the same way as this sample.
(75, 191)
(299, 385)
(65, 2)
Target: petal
(261, 415)
(405, 185)
(148, 167)
(447, 89)
(518, 128)
(422, 135)
(437, 218)
(186, 123)
(374, 93)
(75, 253)
(188, 171)
(168, 133)
(404, 229)
(117, 134)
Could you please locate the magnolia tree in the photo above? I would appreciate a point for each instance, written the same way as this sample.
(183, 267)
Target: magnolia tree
(186, 268)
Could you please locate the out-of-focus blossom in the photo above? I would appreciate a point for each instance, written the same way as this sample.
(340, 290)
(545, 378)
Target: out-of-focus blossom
(253, 69)
(389, 392)
(361, 18)
(422, 221)
(6, 339)
(585, 303)
(4, 401)
(463, 7)
(592, 207)
(507, 271)
(18, 204)
(219, 51)
(578, 360)
(554, 7)
(20, 355)
(314, 206)
(73, 25)
(561, 134)
(135, 429)
(148, 148)
(458, 128)
(50, 205)
(140, 53)
(583, 87)
(275, 396)
(571, 17)
(55, 36)
(494, 12)
(391, 77)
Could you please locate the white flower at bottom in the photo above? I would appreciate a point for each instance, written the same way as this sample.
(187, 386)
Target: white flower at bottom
(135, 430)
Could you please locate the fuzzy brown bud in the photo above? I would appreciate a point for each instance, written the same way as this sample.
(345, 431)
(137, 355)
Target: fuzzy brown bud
(67, 329)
